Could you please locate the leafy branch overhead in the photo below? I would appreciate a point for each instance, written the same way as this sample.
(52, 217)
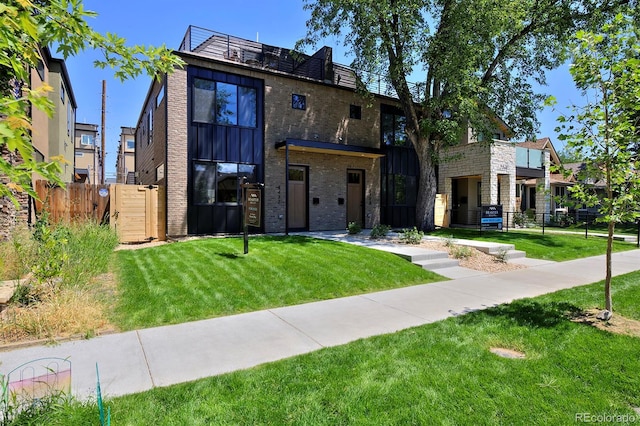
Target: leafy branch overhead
(26, 28)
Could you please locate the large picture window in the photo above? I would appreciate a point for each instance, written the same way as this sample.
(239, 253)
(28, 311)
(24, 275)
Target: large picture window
(218, 183)
(393, 130)
(223, 103)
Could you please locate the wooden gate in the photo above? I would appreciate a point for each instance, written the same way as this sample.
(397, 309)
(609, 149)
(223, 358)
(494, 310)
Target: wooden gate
(138, 212)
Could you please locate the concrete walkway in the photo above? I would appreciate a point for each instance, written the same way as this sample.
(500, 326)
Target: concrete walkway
(143, 359)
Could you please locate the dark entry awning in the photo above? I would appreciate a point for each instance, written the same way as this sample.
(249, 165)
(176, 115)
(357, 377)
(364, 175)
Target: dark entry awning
(329, 148)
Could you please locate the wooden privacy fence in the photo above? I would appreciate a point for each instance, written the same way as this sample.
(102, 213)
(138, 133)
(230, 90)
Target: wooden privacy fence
(136, 212)
(77, 201)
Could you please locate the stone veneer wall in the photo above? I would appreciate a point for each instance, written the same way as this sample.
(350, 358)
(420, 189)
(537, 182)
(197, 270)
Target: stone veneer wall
(491, 162)
(10, 216)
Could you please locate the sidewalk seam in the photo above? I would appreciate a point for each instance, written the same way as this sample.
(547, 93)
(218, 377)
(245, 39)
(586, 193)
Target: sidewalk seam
(296, 328)
(146, 360)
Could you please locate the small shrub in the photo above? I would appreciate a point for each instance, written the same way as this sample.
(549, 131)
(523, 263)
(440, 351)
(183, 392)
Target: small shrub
(448, 242)
(354, 228)
(461, 252)
(501, 256)
(519, 219)
(411, 236)
(379, 231)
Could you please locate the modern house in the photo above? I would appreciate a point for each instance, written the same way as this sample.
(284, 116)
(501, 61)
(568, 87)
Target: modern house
(326, 154)
(126, 161)
(88, 156)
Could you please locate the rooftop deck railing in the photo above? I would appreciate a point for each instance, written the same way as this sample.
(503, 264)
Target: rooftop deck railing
(223, 46)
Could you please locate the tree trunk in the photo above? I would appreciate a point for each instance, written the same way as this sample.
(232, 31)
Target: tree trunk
(427, 188)
(607, 281)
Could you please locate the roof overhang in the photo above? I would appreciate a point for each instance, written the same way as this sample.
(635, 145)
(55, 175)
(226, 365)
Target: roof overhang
(328, 148)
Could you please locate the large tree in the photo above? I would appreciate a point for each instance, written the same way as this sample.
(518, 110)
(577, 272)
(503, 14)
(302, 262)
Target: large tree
(606, 67)
(25, 27)
(478, 58)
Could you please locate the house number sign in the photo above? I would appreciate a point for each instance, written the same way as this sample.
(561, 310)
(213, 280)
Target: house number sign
(252, 213)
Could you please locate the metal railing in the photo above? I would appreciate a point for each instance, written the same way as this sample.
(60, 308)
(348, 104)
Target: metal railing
(574, 222)
(255, 54)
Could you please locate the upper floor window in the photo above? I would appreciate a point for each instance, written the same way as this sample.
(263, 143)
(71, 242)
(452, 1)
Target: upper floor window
(62, 96)
(86, 140)
(223, 103)
(150, 126)
(298, 101)
(355, 112)
(160, 96)
(40, 69)
(131, 144)
(393, 130)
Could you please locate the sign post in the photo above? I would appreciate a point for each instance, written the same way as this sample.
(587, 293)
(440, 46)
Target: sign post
(491, 219)
(252, 208)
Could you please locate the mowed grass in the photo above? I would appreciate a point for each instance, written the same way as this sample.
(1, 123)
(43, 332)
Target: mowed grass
(550, 246)
(441, 373)
(212, 277)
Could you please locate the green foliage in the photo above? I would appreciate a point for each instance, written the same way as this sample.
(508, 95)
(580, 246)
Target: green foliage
(438, 373)
(52, 243)
(411, 236)
(606, 67)
(278, 271)
(379, 231)
(354, 228)
(60, 255)
(550, 246)
(461, 252)
(25, 28)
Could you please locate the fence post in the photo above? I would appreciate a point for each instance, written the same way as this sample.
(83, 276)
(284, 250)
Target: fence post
(586, 226)
(543, 223)
(638, 238)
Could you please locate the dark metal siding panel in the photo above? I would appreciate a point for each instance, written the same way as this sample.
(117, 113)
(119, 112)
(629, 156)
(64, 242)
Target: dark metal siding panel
(222, 144)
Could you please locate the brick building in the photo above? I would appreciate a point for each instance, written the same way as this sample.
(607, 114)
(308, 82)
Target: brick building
(326, 154)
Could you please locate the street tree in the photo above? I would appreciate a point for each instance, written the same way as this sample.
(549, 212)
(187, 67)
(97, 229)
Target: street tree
(606, 67)
(475, 59)
(26, 26)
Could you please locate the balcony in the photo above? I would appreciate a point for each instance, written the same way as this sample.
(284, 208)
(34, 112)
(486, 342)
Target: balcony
(319, 66)
(529, 162)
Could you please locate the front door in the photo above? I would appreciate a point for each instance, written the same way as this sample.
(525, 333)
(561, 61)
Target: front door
(297, 209)
(355, 197)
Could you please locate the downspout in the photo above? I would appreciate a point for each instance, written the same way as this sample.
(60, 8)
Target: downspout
(166, 153)
(286, 189)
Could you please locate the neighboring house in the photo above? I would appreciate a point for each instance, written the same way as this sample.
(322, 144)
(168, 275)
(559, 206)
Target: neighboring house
(515, 175)
(88, 164)
(126, 161)
(51, 137)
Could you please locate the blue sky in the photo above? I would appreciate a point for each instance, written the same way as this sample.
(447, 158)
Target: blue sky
(276, 22)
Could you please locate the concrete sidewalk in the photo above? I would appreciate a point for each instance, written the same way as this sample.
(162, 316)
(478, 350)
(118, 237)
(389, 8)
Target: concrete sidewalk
(140, 360)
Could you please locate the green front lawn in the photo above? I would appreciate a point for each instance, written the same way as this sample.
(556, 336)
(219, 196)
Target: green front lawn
(211, 277)
(441, 373)
(550, 246)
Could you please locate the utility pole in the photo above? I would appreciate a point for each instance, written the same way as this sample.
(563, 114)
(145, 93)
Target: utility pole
(102, 133)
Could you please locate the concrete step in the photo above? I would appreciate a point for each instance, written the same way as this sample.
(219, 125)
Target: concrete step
(418, 255)
(433, 264)
(515, 254)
